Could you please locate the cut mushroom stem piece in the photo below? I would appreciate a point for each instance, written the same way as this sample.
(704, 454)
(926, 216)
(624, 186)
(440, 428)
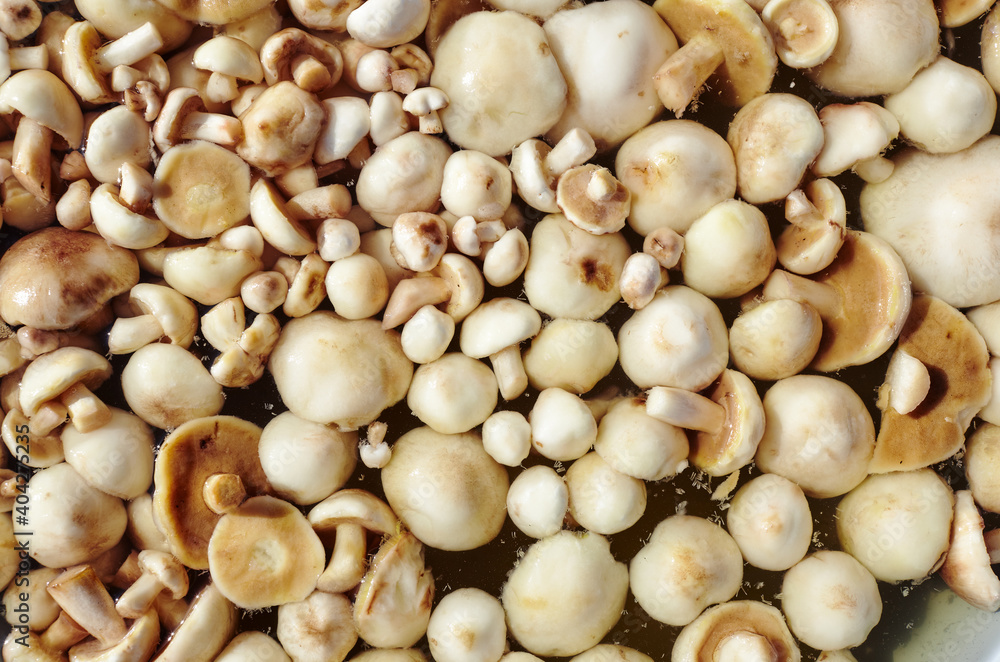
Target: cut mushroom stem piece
(412, 294)
(161, 573)
(32, 157)
(80, 593)
(685, 409)
(907, 383)
(682, 76)
(223, 493)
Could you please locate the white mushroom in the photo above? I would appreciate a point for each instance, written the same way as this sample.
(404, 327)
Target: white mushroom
(452, 394)
(966, 568)
(306, 462)
(496, 329)
(475, 185)
(562, 426)
(537, 501)
(601, 499)
(467, 625)
(770, 520)
(636, 444)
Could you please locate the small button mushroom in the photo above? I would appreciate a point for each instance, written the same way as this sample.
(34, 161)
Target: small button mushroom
(270, 215)
(860, 65)
(898, 524)
(387, 118)
(506, 259)
(403, 175)
(69, 521)
(44, 450)
(349, 515)
(636, 444)
(120, 225)
(183, 117)
(562, 426)
(476, 185)
(687, 564)
(427, 334)
(907, 383)
(419, 239)
(725, 45)
(229, 60)
(406, 20)
(805, 32)
(116, 458)
(311, 63)
(622, 36)
(424, 103)
(679, 339)
(571, 354)
(86, 63)
(770, 520)
(537, 501)
(641, 278)
(115, 137)
(412, 294)
(306, 283)
(452, 394)
(188, 457)
(830, 600)
(503, 81)
(775, 339)
(348, 122)
(592, 199)
(204, 630)
(957, 361)
(854, 135)
(774, 138)
(42, 611)
(982, 468)
(337, 238)
(20, 18)
(676, 170)
(165, 314)
(601, 499)
(966, 567)
(253, 645)
(737, 630)
(316, 629)
(160, 572)
(68, 374)
(281, 128)
(166, 385)
(495, 329)
(945, 108)
(57, 278)
(446, 489)
(728, 421)
(467, 625)
(817, 217)
(306, 462)
(728, 251)
(564, 594)
(862, 316)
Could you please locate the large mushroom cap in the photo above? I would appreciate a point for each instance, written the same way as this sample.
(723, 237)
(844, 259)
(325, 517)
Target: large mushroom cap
(345, 372)
(56, 278)
(188, 456)
(938, 211)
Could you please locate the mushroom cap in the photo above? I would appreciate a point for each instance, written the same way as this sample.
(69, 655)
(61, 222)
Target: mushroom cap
(687, 564)
(166, 385)
(897, 524)
(353, 506)
(48, 376)
(966, 568)
(735, 28)
(919, 208)
(503, 82)
(120, 18)
(852, 133)
(583, 196)
(564, 594)
(280, 129)
(446, 489)
(733, 447)
(344, 372)
(467, 625)
(537, 501)
(601, 499)
(321, 627)
(174, 312)
(40, 95)
(452, 394)
(775, 339)
(706, 636)
(253, 645)
(496, 325)
(117, 136)
(636, 444)
(56, 278)
(206, 628)
(278, 53)
(571, 354)
(214, 12)
(264, 553)
(604, 652)
(187, 457)
(770, 520)
(881, 45)
(230, 56)
(982, 466)
(955, 354)
(676, 170)
(116, 458)
(817, 433)
(403, 175)
(306, 462)
(201, 189)
(608, 53)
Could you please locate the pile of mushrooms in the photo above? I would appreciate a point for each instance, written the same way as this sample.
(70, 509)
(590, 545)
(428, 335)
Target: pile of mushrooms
(405, 330)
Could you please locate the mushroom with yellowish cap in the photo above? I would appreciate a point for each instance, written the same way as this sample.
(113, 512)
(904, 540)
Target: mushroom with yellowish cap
(402, 175)
(120, 225)
(230, 60)
(452, 394)
(592, 199)
(571, 354)
(775, 339)
(281, 128)
(805, 32)
(562, 425)
(311, 63)
(86, 62)
(253, 645)
(601, 499)
(636, 444)
(161, 572)
(117, 21)
(213, 12)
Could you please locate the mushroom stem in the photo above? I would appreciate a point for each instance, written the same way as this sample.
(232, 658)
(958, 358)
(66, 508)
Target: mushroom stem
(785, 285)
(745, 647)
(682, 76)
(509, 370)
(874, 170)
(213, 127)
(129, 48)
(47, 418)
(63, 633)
(32, 158)
(347, 563)
(86, 410)
(685, 409)
(138, 597)
(907, 383)
(130, 333)
(309, 73)
(412, 294)
(573, 149)
(800, 211)
(223, 492)
(221, 88)
(992, 539)
(28, 57)
(79, 591)
(171, 611)
(602, 185)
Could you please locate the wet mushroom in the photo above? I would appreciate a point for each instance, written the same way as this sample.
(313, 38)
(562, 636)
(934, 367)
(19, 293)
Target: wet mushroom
(306, 462)
(68, 374)
(537, 501)
(966, 567)
(183, 116)
(214, 13)
(166, 385)
(160, 573)
(164, 314)
(311, 63)
(87, 63)
(230, 60)
(116, 458)
(206, 627)
(982, 448)
(601, 499)
(281, 128)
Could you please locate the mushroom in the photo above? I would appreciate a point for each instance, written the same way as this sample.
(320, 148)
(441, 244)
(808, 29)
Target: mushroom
(165, 314)
(393, 604)
(403, 175)
(116, 458)
(32, 599)
(281, 128)
(204, 630)
(79, 273)
(306, 462)
(769, 519)
(805, 32)
(229, 60)
(611, 651)
(945, 108)
(775, 339)
(495, 329)
(562, 426)
(80, 593)
(86, 63)
(419, 239)
(424, 103)
(160, 573)
(253, 645)
(467, 625)
(412, 294)
(679, 339)
(564, 594)
(862, 315)
(452, 394)
(725, 45)
(957, 363)
(270, 215)
(349, 515)
(572, 273)
(601, 499)
(119, 224)
(641, 278)
(736, 629)
(189, 456)
(817, 433)
(636, 444)
(573, 355)
(854, 136)
(360, 370)
(313, 64)
(320, 15)
(728, 422)
(774, 138)
(728, 251)
(988, 48)
(427, 334)
(982, 448)
(502, 80)
(676, 170)
(317, 629)
(264, 553)
(686, 565)
(535, 166)
(476, 185)
(897, 524)
(20, 18)
(830, 600)
(817, 217)
(67, 375)
(130, 15)
(966, 567)
(537, 501)
(184, 117)
(446, 489)
(166, 385)
(592, 199)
